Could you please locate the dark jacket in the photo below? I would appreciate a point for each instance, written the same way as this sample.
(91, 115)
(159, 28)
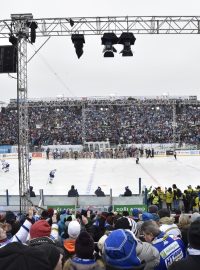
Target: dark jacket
(128, 192)
(73, 193)
(99, 193)
(190, 262)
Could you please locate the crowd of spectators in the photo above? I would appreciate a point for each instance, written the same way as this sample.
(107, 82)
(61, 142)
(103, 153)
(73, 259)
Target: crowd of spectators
(113, 153)
(50, 240)
(137, 122)
(174, 199)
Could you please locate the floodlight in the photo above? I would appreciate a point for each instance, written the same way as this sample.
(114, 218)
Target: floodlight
(78, 40)
(13, 39)
(127, 39)
(33, 26)
(71, 22)
(108, 40)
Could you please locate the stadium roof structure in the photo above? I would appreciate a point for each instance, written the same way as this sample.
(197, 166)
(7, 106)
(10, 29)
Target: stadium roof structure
(108, 101)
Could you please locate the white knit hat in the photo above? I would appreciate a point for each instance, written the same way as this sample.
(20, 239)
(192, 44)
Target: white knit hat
(74, 229)
(194, 216)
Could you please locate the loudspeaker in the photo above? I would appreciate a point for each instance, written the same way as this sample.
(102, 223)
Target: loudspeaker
(8, 59)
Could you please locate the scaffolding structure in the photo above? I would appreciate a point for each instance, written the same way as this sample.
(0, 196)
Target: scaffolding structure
(116, 24)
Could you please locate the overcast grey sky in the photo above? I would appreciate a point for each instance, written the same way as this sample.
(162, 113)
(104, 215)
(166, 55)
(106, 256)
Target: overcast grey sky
(161, 63)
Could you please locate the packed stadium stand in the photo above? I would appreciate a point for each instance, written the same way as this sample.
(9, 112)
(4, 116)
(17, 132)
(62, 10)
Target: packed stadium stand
(119, 120)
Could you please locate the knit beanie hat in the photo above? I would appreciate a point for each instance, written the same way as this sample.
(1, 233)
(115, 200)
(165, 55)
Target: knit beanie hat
(153, 209)
(135, 213)
(18, 256)
(120, 250)
(74, 229)
(194, 216)
(53, 254)
(194, 234)
(10, 217)
(84, 246)
(147, 216)
(122, 223)
(40, 228)
(164, 212)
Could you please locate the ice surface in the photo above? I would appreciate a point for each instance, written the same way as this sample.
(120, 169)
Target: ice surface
(88, 174)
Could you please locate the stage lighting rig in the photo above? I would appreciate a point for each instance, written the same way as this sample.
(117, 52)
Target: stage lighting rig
(13, 40)
(127, 39)
(108, 40)
(71, 22)
(78, 40)
(33, 26)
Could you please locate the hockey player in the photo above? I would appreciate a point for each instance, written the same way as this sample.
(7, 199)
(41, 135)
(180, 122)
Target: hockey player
(174, 153)
(5, 166)
(52, 175)
(29, 159)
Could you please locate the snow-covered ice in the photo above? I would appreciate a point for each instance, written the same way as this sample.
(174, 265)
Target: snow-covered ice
(88, 174)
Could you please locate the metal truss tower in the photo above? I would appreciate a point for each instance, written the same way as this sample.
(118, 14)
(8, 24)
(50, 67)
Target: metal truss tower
(47, 27)
(21, 32)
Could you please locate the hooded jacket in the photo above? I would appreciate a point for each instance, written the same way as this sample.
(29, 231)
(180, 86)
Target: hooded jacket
(69, 245)
(168, 226)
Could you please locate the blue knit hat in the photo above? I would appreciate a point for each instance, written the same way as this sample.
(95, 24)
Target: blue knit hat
(135, 213)
(147, 216)
(120, 249)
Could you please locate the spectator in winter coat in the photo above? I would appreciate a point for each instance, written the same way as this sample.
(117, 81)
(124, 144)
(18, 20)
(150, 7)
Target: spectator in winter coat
(127, 192)
(170, 249)
(21, 235)
(167, 223)
(41, 232)
(74, 229)
(32, 193)
(99, 192)
(176, 197)
(18, 256)
(186, 201)
(154, 197)
(84, 255)
(192, 261)
(169, 198)
(183, 225)
(73, 192)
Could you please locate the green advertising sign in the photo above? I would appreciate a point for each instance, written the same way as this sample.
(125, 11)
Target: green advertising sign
(116, 208)
(129, 208)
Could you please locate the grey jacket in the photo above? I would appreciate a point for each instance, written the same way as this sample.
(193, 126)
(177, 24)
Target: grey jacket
(146, 252)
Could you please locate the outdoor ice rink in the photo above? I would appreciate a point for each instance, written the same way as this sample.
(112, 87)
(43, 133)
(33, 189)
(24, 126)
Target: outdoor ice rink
(88, 174)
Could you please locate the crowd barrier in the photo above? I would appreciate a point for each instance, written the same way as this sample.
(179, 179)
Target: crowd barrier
(59, 202)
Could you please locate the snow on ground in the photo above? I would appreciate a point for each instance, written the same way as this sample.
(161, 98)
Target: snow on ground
(88, 174)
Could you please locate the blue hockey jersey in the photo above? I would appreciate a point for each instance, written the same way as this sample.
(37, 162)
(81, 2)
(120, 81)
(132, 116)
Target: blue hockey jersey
(170, 250)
